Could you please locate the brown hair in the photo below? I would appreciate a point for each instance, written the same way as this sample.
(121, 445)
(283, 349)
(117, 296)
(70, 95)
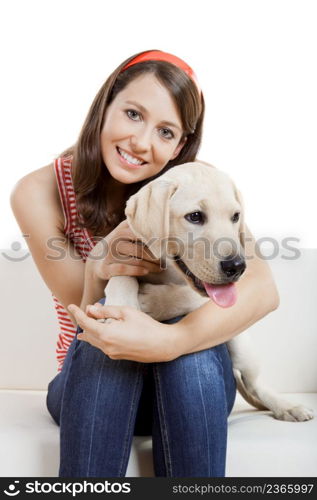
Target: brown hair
(89, 173)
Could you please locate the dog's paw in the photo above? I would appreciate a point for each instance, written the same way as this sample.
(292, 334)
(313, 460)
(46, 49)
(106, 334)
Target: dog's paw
(294, 414)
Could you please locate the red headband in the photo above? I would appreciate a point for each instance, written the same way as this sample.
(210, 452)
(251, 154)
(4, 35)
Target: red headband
(158, 55)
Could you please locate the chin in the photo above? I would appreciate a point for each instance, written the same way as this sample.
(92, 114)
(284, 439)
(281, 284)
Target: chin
(122, 176)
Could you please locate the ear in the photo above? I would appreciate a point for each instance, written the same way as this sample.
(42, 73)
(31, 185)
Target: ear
(242, 223)
(148, 212)
(179, 148)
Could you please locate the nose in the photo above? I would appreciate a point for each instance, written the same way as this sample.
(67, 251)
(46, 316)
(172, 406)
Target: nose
(233, 267)
(141, 142)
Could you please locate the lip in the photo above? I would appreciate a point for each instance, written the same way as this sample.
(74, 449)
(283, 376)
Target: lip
(126, 162)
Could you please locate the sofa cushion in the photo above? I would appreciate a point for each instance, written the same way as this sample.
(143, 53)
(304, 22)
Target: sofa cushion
(258, 445)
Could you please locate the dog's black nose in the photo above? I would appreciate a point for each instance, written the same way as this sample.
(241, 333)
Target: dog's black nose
(233, 267)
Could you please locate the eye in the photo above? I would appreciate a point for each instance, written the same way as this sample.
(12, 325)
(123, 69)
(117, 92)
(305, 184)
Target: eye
(196, 217)
(133, 114)
(167, 133)
(235, 217)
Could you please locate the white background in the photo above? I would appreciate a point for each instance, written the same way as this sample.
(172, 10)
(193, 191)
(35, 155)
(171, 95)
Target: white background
(256, 62)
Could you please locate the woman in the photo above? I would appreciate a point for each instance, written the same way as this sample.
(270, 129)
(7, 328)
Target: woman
(134, 375)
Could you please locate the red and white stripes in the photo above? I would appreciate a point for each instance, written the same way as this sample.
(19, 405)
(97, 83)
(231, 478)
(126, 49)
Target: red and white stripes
(83, 244)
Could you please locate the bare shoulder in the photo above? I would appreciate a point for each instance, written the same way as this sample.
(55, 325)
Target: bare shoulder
(38, 190)
(43, 179)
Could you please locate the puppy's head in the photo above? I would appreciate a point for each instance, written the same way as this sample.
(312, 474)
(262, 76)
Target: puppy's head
(194, 215)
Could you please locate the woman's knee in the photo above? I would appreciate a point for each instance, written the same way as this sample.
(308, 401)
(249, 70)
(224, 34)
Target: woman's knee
(193, 368)
(193, 386)
(201, 360)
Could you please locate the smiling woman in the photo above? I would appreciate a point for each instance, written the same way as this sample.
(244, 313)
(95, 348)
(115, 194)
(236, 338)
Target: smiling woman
(137, 146)
(150, 112)
(171, 380)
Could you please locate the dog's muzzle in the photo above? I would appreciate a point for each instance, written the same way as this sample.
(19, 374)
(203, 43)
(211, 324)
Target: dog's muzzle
(234, 267)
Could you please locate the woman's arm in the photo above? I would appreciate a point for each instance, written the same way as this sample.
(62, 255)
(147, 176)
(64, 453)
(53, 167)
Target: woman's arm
(134, 335)
(94, 287)
(36, 206)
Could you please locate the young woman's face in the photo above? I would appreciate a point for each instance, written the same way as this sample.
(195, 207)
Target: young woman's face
(141, 132)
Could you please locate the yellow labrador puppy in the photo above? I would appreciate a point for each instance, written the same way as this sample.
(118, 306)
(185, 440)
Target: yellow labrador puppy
(192, 219)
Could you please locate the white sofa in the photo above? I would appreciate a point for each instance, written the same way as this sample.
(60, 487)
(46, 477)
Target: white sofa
(258, 444)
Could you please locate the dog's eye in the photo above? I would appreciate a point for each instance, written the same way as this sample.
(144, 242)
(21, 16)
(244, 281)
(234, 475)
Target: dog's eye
(195, 217)
(235, 217)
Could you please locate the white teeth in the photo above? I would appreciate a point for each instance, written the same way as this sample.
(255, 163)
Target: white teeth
(129, 158)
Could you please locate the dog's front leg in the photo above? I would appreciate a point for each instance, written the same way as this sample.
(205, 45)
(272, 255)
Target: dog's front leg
(122, 291)
(166, 301)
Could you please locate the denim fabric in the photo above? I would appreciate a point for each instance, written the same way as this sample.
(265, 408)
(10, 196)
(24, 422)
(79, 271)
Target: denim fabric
(100, 403)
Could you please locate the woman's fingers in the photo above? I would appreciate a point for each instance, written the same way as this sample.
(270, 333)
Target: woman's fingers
(94, 311)
(134, 249)
(96, 333)
(123, 231)
(130, 335)
(139, 269)
(105, 312)
(99, 312)
(120, 253)
(126, 243)
(124, 255)
(84, 321)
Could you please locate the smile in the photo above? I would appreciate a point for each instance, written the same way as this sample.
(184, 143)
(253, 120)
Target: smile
(130, 159)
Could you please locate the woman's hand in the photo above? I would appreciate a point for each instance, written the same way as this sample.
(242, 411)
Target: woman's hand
(121, 254)
(130, 334)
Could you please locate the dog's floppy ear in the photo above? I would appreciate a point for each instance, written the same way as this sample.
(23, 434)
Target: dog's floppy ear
(242, 223)
(148, 212)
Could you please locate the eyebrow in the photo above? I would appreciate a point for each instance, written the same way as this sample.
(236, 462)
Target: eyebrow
(144, 110)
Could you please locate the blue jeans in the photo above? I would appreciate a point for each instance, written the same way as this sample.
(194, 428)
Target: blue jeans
(100, 403)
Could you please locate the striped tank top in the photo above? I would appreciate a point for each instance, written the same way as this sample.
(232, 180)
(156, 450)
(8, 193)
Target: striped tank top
(83, 243)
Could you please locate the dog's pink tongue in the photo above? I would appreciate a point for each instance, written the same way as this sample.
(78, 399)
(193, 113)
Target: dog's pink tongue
(222, 295)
